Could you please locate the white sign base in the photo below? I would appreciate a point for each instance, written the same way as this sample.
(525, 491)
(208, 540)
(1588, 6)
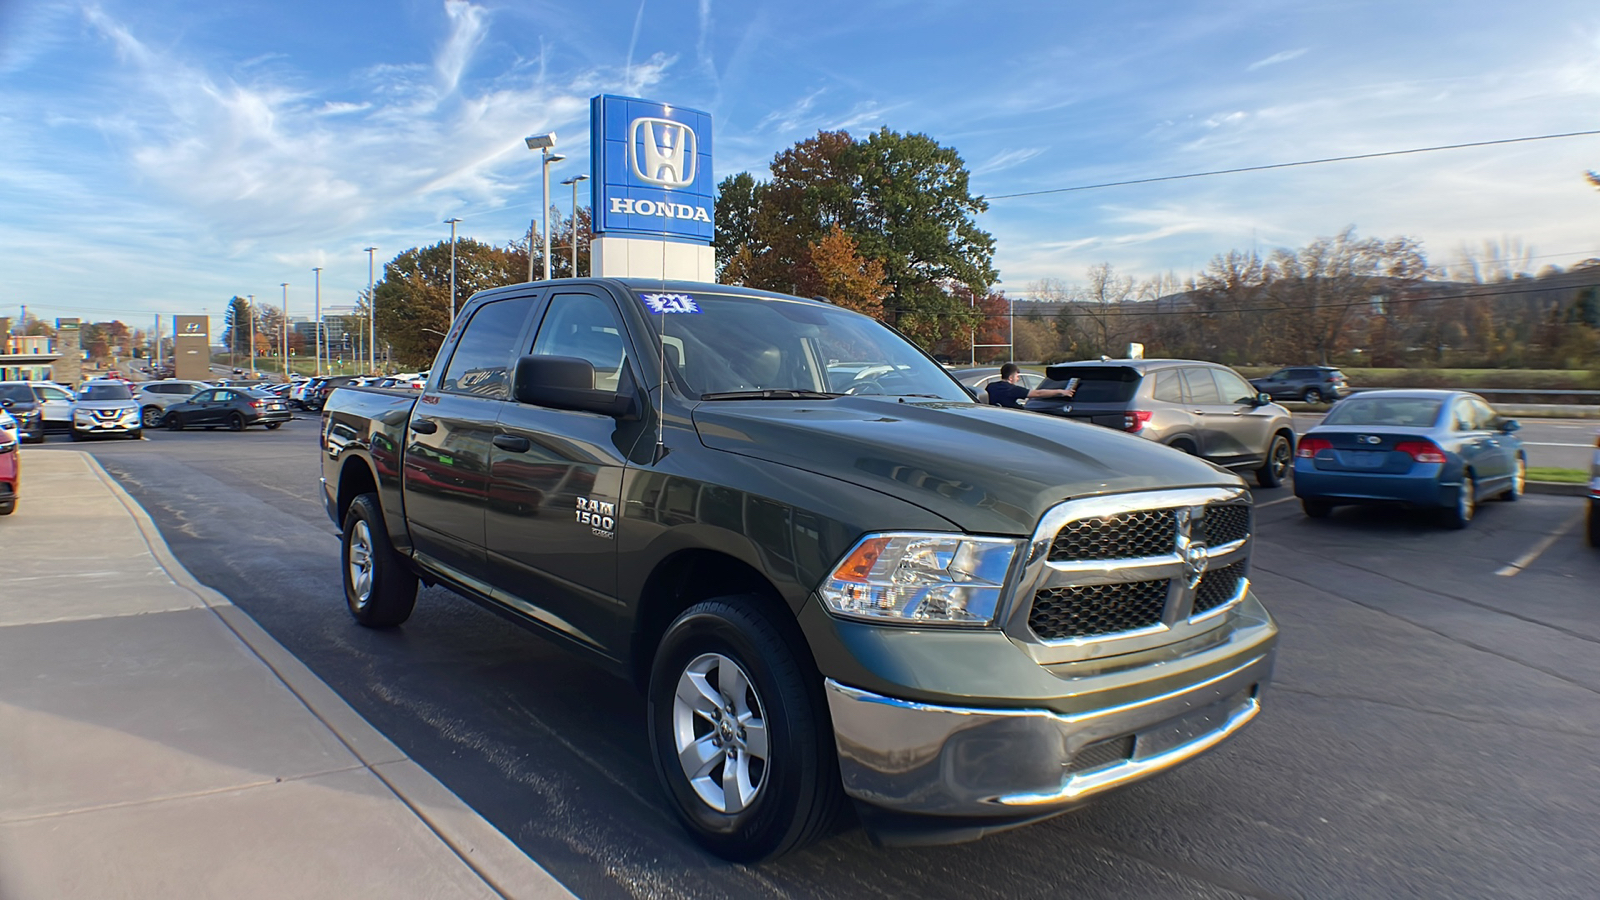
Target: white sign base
(627, 257)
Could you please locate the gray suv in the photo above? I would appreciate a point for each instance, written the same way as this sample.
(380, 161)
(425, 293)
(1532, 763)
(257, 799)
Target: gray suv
(1202, 408)
(1310, 384)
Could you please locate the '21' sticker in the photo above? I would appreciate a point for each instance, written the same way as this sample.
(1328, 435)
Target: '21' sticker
(670, 303)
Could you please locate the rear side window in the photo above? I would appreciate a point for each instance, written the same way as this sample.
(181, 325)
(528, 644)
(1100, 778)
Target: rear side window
(1096, 384)
(481, 363)
(1168, 388)
(1202, 389)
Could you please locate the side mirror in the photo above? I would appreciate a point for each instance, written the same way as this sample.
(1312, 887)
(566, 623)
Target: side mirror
(1510, 425)
(566, 382)
(1263, 398)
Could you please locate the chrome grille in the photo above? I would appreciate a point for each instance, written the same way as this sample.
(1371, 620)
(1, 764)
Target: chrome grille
(1224, 524)
(1132, 568)
(1145, 532)
(1217, 587)
(1087, 610)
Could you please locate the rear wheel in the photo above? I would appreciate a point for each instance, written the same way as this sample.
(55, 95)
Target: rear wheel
(1186, 446)
(273, 426)
(235, 422)
(1280, 456)
(1460, 515)
(739, 732)
(1594, 523)
(1316, 509)
(1311, 395)
(378, 587)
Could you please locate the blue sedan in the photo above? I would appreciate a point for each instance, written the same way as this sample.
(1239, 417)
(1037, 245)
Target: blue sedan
(1439, 449)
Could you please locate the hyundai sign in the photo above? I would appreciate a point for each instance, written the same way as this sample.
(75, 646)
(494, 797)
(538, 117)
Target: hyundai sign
(651, 170)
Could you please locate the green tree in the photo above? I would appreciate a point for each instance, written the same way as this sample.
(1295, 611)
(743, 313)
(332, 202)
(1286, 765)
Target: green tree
(413, 299)
(236, 325)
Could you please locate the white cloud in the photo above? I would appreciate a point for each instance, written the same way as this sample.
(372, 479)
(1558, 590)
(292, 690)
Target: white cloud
(1276, 58)
(1006, 160)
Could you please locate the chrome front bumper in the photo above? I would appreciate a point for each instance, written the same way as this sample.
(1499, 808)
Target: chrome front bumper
(1024, 764)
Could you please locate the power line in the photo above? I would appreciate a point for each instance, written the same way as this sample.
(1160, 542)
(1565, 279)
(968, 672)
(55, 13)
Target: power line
(1303, 162)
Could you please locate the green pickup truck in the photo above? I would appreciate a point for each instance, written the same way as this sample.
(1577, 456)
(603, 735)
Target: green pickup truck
(834, 575)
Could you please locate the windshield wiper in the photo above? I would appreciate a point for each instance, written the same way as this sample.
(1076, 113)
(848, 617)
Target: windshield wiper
(770, 394)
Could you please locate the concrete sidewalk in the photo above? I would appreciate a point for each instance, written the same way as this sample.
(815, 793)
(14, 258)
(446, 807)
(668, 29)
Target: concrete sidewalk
(156, 743)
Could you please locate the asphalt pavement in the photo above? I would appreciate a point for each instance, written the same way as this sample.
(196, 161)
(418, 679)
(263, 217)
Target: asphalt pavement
(1431, 732)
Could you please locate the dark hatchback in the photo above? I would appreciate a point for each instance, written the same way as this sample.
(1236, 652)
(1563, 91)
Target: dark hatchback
(17, 398)
(232, 408)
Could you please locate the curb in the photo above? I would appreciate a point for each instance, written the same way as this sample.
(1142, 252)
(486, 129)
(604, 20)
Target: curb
(481, 847)
(1560, 488)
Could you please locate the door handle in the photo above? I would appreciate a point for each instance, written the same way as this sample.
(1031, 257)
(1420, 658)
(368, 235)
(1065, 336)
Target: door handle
(424, 426)
(512, 443)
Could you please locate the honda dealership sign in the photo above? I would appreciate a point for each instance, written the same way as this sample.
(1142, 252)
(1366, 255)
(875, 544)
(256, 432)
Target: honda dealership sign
(653, 186)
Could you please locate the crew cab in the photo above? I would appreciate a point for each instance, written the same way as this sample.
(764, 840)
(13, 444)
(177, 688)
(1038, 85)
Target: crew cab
(958, 618)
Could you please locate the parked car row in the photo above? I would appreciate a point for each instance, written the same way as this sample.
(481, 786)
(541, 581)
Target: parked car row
(10, 464)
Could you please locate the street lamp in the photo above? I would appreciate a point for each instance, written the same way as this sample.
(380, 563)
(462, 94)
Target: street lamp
(544, 143)
(284, 336)
(372, 315)
(452, 222)
(316, 325)
(574, 182)
(252, 337)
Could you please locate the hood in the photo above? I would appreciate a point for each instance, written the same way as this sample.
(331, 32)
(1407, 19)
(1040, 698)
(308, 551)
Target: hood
(988, 470)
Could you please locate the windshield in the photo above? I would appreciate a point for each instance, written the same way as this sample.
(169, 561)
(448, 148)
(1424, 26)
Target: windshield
(720, 344)
(16, 393)
(105, 391)
(1416, 412)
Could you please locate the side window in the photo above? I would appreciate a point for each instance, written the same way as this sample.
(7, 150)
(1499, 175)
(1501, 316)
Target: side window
(1202, 389)
(227, 396)
(1168, 389)
(586, 327)
(481, 362)
(1303, 374)
(1234, 389)
(205, 396)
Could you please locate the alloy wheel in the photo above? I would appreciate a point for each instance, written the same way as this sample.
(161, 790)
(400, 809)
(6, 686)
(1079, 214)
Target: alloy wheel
(152, 416)
(361, 563)
(1466, 499)
(1282, 458)
(719, 730)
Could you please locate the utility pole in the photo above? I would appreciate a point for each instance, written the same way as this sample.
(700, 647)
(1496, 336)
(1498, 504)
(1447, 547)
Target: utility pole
(316, 326)
(284, 329)
(252, 337)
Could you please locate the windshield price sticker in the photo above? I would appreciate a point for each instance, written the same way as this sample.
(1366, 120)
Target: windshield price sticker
(670, 303)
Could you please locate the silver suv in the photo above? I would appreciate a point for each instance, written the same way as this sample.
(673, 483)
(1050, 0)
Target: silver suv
(1201, 408)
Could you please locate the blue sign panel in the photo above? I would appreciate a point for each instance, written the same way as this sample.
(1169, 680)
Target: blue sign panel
(651, 170)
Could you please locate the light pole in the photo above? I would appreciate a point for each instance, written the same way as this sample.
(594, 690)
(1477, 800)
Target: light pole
(372, 315)
(544, 143)
(252, 337)
(574, 182)
(452, 222)
(284, 336)
(316, 324)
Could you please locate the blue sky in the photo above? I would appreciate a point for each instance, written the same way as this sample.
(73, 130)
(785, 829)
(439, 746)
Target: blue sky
(159, 157)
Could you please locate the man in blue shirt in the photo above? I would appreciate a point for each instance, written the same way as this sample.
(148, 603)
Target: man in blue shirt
(1010, 393)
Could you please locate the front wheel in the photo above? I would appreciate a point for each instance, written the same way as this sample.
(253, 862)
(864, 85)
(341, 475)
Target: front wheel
(150, 416)
(1280, 456)
(740, 734)
(173, 422)
(136, 434)
(236, 422)
(1519, 482)
(77, 435)
(1594, 523)
(378, 587)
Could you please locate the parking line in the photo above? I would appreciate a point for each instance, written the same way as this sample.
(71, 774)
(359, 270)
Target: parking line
(1274, 502)
(1526, 559)
(1543, 444)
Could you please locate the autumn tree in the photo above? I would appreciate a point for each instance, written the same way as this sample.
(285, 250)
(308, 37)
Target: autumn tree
(1322, 287)
(413, 299)
(838, 272)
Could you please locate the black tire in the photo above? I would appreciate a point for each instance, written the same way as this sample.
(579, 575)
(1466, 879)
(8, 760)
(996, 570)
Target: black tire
(172, 421)
(798, 794)
(8, 507)
(150, 416)
(1460, 516)
(1280, 460)
(391, 591)
(1316, 509)
(273, 426)
(1186, 446)
(235, 422)
(136, 434)
(1311, 395)
(1594, 523)
(1519, 481)
(76, 434)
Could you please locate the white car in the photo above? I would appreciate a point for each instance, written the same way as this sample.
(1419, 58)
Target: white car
(105, 407)
(155, 396)
(55, 402)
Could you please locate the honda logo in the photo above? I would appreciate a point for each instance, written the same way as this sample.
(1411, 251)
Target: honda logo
(1370, 439)
(662, 151)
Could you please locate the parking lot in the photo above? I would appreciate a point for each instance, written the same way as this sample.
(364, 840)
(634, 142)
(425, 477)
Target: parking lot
(1431, 731)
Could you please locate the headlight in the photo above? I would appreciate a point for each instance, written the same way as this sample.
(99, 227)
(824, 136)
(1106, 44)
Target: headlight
(921, 579)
